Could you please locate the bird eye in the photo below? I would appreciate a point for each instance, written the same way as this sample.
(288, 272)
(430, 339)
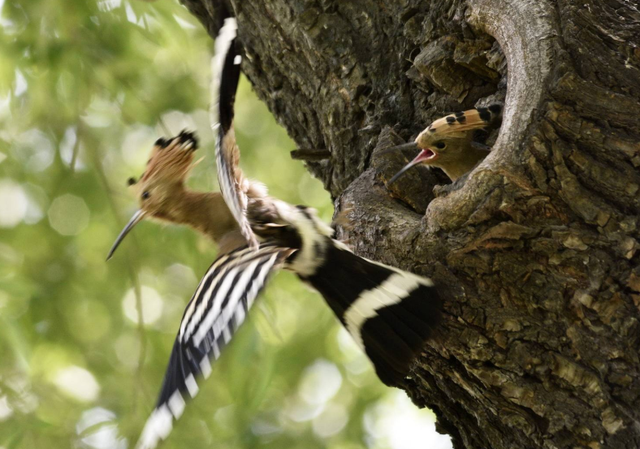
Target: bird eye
(145, 195)
(440, 145)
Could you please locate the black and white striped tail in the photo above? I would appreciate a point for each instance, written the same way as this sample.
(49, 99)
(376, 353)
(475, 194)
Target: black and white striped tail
(216, 310)
(389, 312)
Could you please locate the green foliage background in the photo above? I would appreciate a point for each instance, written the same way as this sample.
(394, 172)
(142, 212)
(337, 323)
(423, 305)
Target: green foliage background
(85, 89)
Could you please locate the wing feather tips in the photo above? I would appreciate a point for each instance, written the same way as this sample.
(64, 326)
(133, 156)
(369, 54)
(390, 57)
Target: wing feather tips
(191, 357)
(158, 427)
(394, 338)
(223, 86)
(181, 365)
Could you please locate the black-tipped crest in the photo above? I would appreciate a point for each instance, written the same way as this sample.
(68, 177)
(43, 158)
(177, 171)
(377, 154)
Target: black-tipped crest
(460, 122)
(162, 142)
(187, 136)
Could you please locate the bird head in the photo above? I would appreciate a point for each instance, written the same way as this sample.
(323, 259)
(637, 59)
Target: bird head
(157, 189)
(445, 140)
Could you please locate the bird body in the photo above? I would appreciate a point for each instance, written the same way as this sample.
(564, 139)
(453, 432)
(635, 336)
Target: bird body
(207, 213)
(351, 285)
(389, 312)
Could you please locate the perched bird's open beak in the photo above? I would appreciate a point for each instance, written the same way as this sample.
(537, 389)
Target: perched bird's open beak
(424, 155)
(139, 215)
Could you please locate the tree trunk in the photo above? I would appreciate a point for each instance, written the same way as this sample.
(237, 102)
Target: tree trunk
(537, 248)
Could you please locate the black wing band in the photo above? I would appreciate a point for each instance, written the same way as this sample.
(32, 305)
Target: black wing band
(389, 312)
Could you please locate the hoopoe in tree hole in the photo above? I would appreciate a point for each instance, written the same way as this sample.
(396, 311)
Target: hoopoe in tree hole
(389, 312)
(448, 144)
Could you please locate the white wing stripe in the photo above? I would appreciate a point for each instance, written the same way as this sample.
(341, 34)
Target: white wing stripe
(222, 45)
(198, 323)
(158, 427)
(215, 314)
(239, 316)
(192, 385)
(261, 278)
(202, 300)
(390, 292)
(205, 366)
(194, 299)
(176, 404)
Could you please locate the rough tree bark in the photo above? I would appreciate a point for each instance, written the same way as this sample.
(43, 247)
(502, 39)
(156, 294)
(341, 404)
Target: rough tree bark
(538, 246)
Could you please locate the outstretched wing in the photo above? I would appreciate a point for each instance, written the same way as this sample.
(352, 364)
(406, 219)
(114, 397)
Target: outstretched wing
(216, 310)
(225, 68)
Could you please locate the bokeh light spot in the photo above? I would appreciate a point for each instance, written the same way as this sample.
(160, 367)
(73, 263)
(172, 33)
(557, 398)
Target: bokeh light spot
(152, 305)
(396, 423)
(77, 383)
(176, 121)
(89, 319)
(14, 203)
(35, 150)
(320, 382)
(127, 348)
(136, 145)
(5, 409)
(71, 150)
(98, 430)
(69, 215)
(20, 85)
(331, 421)
(101, 112)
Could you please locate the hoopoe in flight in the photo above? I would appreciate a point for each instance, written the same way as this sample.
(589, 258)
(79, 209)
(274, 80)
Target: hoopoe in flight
(448, 144)
(389, 312)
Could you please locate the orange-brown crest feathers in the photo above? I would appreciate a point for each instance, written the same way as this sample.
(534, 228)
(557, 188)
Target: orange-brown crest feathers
(172, 159)
(459, 122)
(465, 120)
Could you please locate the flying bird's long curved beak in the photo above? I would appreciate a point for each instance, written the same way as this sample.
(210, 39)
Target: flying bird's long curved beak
(404, 146)
(424, 155)
(138, 216)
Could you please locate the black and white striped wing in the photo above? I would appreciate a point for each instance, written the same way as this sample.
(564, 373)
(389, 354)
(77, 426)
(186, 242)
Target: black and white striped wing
(225, 73)
(216, 310)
